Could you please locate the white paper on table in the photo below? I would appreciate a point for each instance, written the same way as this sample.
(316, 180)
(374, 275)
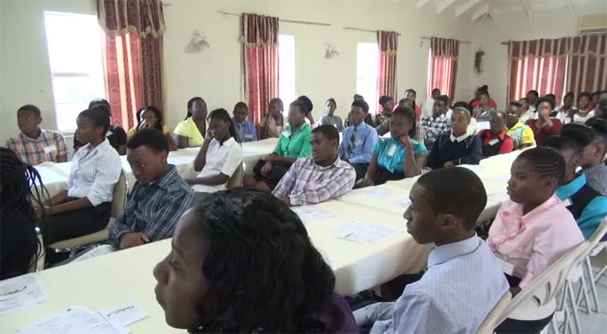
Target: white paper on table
(19, 293)
(308, 213)
(95, 252)
(124, 314)
(374, 191)
(361, 231)
(76, 320)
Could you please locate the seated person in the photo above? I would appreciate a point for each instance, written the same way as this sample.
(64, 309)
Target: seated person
(567, 109)
(35, 145)
(191, 131)
(464, 280)
(273, 123)
(18, 239)
(85, 206)
(521, 134)
(387, 104)
(528, 111)
(309, 107)
(428, 105)
(294, 143)
(160, 196)
(544, 126)
(245, 130)
(583, 112)
(411, 94)
(242, 262)
(384, 127)
(495, 140)
(533, 228)
(116, 136)
(330, 118)
(601, 109)
(368, 119)
(593, 163)
(399, 156)
(320, 178)
(472, 128)
(358, 140)
(586, 205)
(219, 157)
(477, 98)
(457, 147)
(482, 112)
(437, 123)
(151, 117)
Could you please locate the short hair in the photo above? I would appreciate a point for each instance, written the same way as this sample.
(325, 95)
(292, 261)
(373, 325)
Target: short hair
(569, 94)
(548, 100)
(191, 103)
(584, 94)
(362, 104)
(533, 92)
(332, 100)
(598, 125)
(329, 131)
(307, 102)
(150, 138)
(409, 114)
(524, 99)
(98, 116)
(241, 105)
(31, 108)
(550, 96)
(99, 101)
(546, 161)
(463, 111)
(445, 99)
(516, 104)
(359, 97)
(578, 133)
(302, 106)
(278, 102)
(410, 90)
(435, 90)
(461, 104)
(499, 114)
(385, 99)
(157, 113)
(562, 143)
(457, 191)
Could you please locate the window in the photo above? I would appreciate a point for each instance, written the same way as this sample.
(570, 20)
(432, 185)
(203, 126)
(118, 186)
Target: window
(366, 73)
(74, 52)
(286, 68)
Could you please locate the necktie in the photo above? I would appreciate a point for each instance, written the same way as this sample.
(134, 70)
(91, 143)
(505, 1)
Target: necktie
(352, 143)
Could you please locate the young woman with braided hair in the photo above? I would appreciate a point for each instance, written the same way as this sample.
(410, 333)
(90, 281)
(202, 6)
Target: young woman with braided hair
(20, 188)
(533, 228)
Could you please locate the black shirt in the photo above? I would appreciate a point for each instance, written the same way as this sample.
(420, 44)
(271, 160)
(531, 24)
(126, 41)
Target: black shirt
(117, 138)
(466, 152)
(17, 244)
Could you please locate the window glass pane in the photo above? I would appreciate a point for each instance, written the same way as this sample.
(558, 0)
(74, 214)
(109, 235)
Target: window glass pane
(367, 63)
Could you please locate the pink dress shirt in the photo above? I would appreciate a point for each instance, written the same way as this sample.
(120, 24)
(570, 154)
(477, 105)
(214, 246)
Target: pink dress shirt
(532, 242)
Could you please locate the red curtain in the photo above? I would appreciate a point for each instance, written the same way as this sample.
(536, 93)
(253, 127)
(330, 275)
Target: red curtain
(443, 65)
(587, 64)
(132, 56)
(259, 35)
(538, 65)
(388, 49)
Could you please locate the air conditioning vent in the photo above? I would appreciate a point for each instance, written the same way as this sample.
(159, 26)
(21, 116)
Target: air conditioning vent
(594, 24)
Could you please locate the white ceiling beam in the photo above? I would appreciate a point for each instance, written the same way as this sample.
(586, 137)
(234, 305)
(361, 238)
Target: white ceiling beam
(481, 12)
(444, 5)
(526, 7)
(466, 7)
(421, 3)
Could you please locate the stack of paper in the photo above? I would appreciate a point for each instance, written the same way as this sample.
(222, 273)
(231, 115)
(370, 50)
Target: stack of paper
(310, 213)
(19, 293)
(374, 191)
(360, 231)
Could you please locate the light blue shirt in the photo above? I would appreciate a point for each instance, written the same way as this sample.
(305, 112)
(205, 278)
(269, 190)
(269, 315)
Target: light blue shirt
(365, 140)
(391, 154)
(461, 286)
(594, 212)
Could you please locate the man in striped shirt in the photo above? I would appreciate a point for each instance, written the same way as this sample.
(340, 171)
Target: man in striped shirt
(320, 178)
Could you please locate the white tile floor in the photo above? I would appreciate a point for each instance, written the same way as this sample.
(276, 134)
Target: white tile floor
(593, 322)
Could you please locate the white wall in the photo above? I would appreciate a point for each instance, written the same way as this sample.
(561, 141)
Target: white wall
(215, 73)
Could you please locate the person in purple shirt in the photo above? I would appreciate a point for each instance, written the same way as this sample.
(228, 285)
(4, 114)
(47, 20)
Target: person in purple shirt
(242, 262)
(245, 130)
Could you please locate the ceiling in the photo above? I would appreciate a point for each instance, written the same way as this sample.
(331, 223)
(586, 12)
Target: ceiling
(479, 10)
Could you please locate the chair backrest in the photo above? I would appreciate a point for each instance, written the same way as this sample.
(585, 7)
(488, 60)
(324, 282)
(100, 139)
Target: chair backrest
(119, 197)
(598, 235)
(490, 322)
(543, 288)
(236, 180)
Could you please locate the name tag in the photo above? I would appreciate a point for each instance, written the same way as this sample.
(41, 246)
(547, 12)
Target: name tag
(50, 149)
(287, 133)
(507, 267)
(248, 136)
(359, 142)
(392, 150)
(494, 141)
(567, 202)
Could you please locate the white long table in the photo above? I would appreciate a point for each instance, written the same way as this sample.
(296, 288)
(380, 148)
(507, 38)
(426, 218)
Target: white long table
(55, 175)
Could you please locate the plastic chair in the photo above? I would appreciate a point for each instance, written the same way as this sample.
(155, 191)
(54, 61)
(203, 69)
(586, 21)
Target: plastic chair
(73, 245)
(490, 322)
(236, 180)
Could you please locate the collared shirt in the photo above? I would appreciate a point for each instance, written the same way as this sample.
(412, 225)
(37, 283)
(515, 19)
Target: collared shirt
(269, 128)
(544, 132)
(449, 298)
(596, 177)
(428, 108)
(592, 215)
(579, 119)
(309, 183)
(391, 154)
(294, 145)
(95, 171)
(491, 142)
(189, 129)
(527, 115)
(533, 241)
(463, 150)
(245, 131)
(154, 209)
(115, 135)
(434, 126)
(364, 140)
(483, 115)
(563, 115)
(221, 158)
(47, 147)
(381, 117)
(458, 139)
(332, 120)
(521, 134)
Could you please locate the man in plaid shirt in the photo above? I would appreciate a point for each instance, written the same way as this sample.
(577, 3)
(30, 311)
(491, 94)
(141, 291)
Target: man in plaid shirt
(320, 178)
(35, 145)
(437, 123)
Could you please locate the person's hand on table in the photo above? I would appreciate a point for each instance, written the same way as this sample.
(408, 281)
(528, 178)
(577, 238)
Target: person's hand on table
(366, 183)
(449, 164)
(134, 239)
(267, 167)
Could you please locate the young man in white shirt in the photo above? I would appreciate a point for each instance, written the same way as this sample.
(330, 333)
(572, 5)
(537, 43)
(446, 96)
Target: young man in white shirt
(428, 105)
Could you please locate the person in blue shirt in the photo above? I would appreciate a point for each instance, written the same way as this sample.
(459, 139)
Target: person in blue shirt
(399, 156)
(358, 140)
(245, 130)
(586, 205)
